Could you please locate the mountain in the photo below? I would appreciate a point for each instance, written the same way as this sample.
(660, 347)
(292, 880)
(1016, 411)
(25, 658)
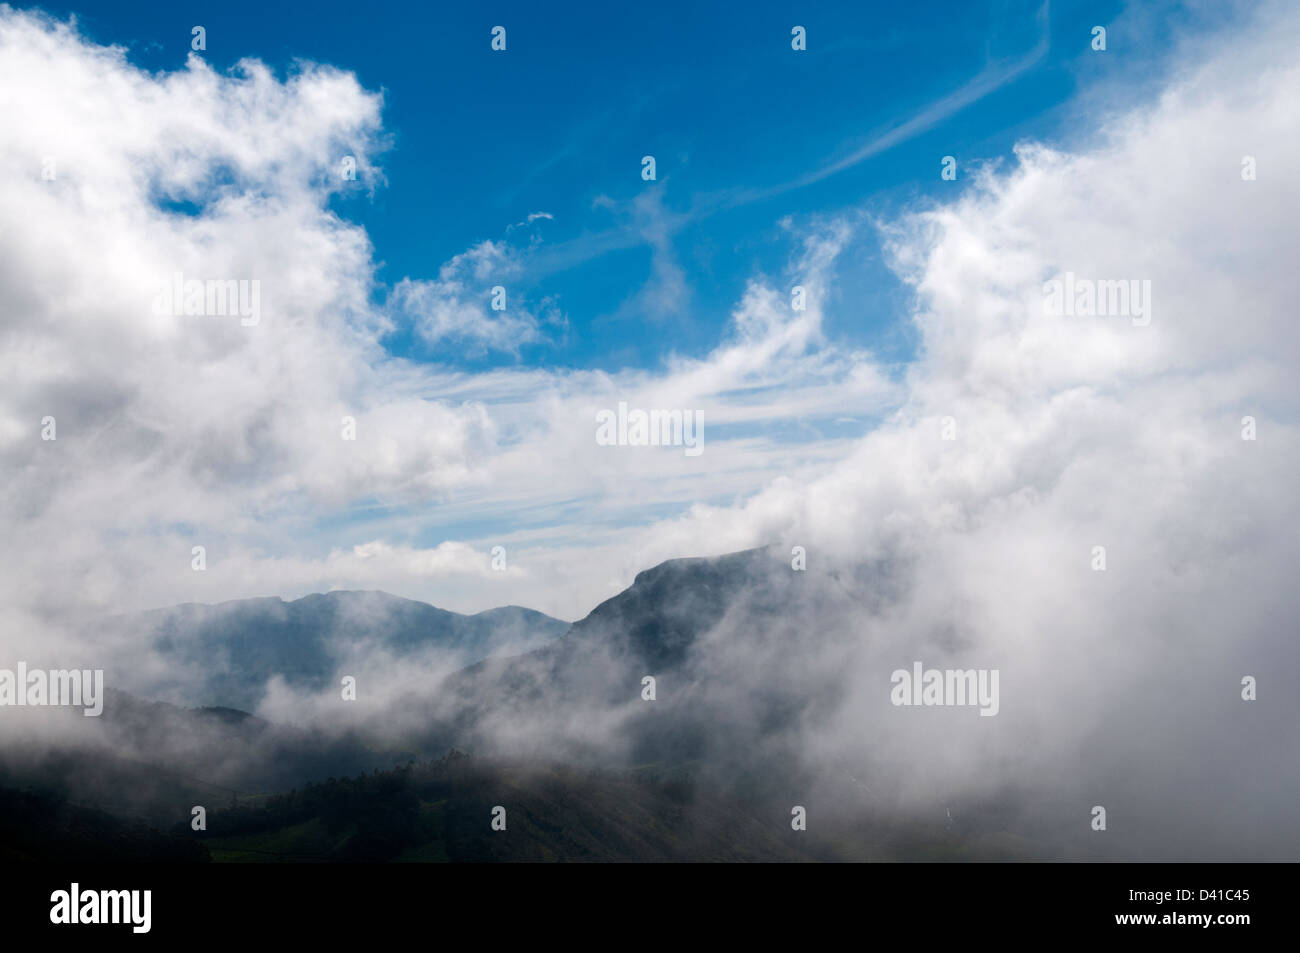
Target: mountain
(734, 645)
(225, 654)
(752, 663)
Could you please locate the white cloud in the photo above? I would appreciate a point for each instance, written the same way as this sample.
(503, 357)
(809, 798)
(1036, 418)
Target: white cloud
(454, 310)
(181, 431)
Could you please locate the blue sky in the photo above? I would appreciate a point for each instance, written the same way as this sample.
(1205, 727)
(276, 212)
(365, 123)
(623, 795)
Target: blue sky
(523, 168)
(736, 120)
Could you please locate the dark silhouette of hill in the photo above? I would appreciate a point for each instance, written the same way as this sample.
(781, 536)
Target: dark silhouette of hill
(41, 825)
(442, 811)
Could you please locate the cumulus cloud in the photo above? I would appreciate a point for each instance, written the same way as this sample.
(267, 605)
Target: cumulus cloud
(1120, 686)
(456, 309)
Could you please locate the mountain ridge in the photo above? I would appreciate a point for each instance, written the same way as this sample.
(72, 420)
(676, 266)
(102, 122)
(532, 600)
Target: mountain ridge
(226, 654)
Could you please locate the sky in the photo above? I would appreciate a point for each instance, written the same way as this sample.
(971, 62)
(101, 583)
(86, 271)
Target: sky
(540, 149)
(522, 169)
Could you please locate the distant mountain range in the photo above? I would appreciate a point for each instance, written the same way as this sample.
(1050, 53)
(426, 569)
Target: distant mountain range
(683, 718)
(225, 654)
